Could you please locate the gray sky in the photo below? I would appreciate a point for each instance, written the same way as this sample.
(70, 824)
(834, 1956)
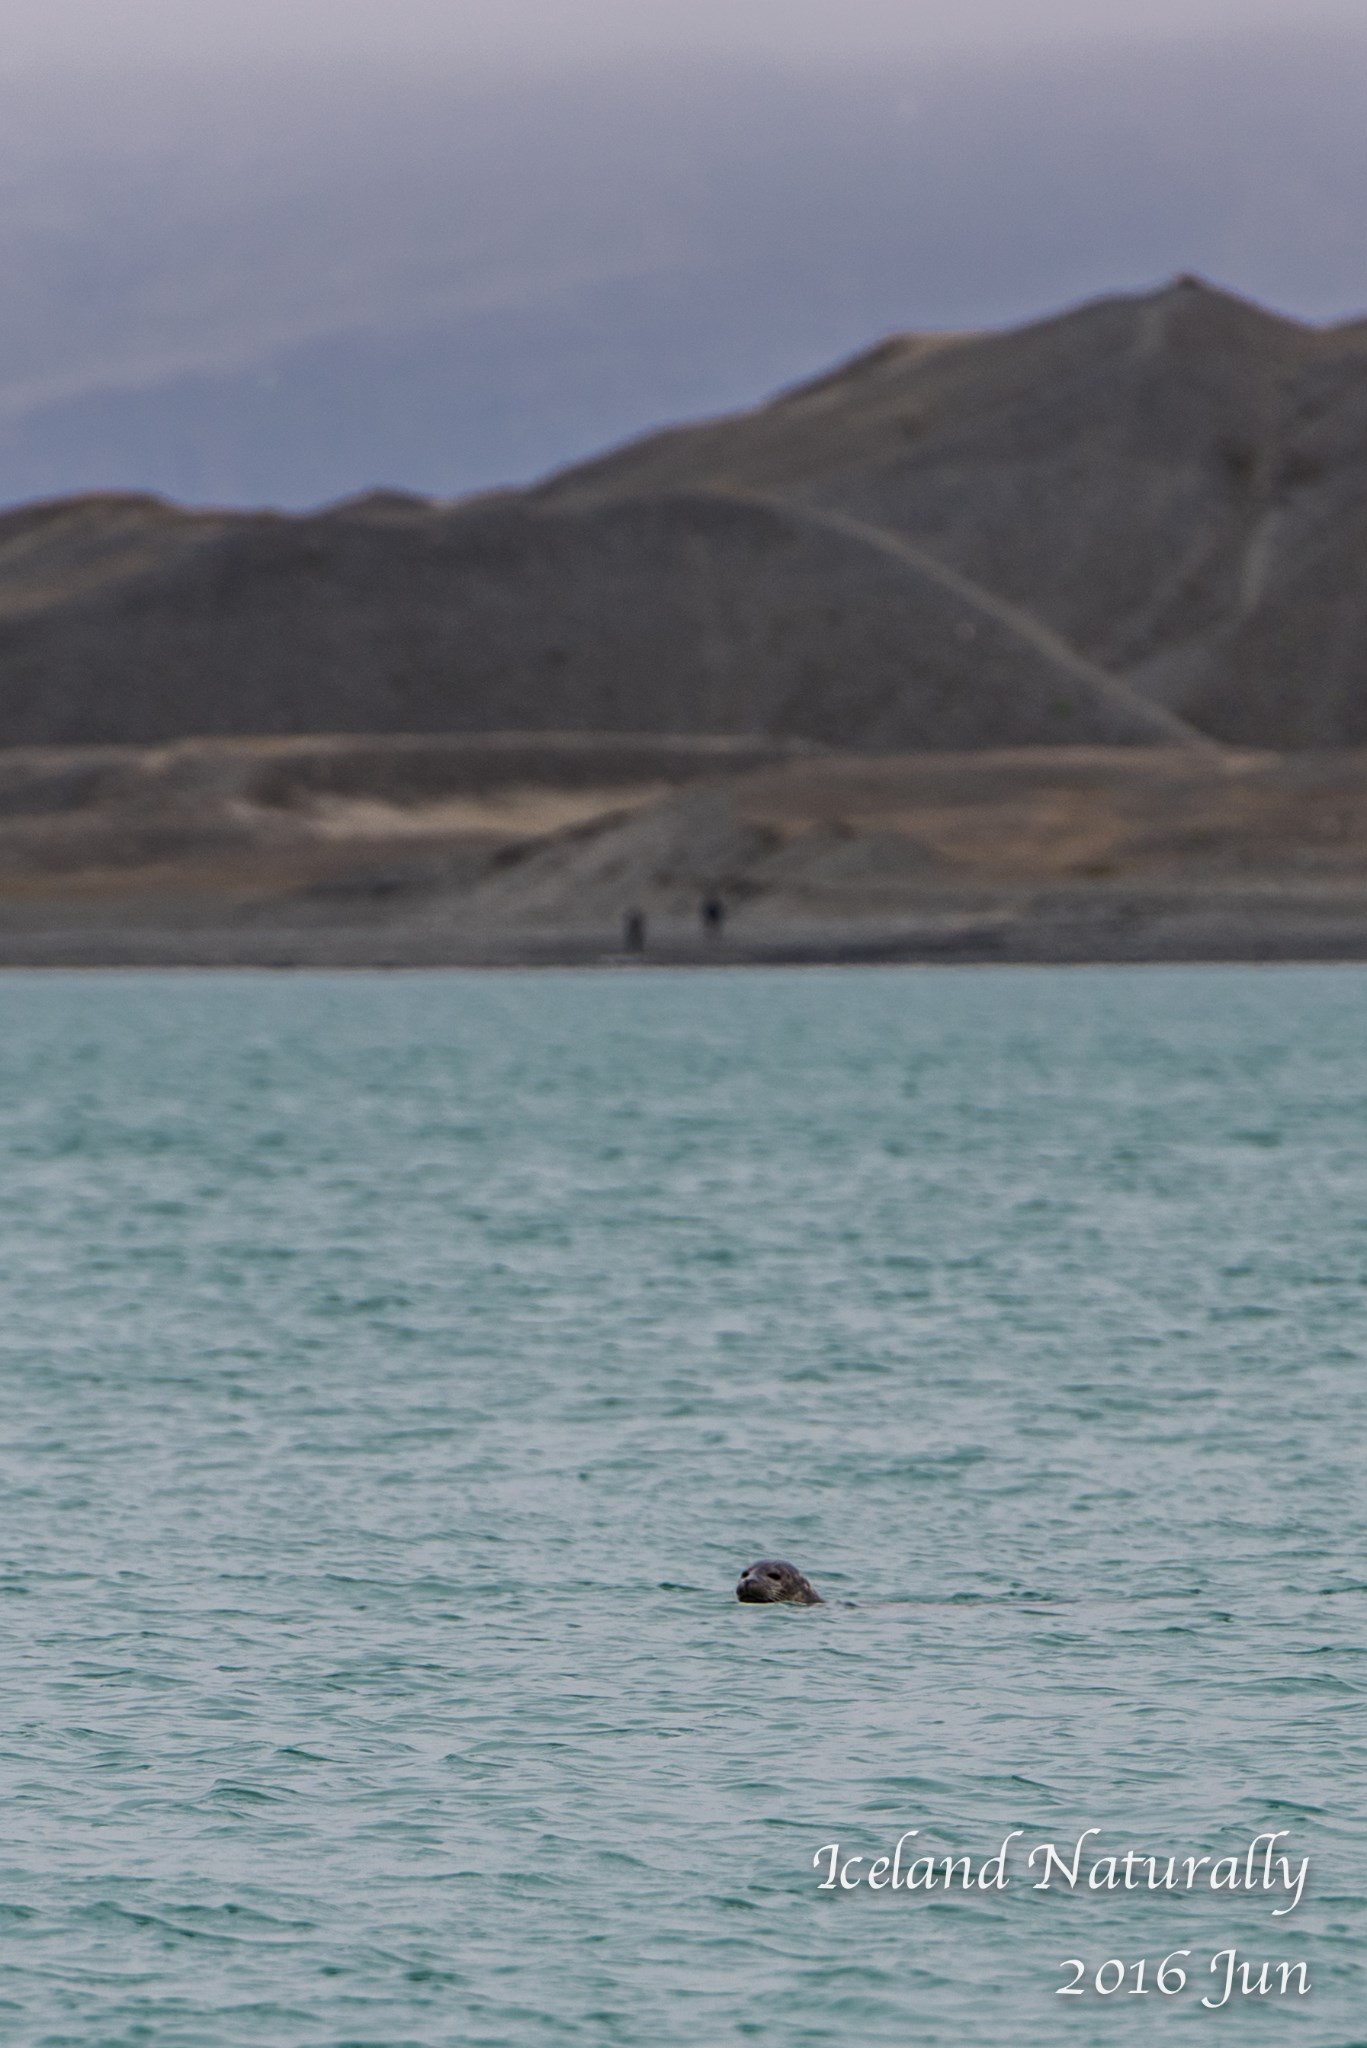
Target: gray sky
(80, 34)
(286, 262)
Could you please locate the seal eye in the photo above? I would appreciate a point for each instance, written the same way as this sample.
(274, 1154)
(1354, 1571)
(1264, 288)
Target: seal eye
(771, 1575)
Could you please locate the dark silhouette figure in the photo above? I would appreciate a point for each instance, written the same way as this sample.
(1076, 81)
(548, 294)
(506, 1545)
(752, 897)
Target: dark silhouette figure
(634, 932)
(713, 913)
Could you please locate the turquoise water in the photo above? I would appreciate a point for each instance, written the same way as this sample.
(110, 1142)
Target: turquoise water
(396, 1372)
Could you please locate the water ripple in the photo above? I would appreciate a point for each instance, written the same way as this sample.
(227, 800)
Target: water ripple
(397, 1370)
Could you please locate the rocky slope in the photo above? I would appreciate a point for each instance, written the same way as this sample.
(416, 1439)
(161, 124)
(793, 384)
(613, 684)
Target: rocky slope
(1139, 523)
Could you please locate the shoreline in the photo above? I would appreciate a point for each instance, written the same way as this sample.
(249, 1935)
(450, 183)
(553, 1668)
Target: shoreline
(534, 851)
(1157, 932)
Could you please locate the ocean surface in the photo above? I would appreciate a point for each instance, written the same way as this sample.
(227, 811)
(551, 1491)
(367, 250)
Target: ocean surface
(397, 1370)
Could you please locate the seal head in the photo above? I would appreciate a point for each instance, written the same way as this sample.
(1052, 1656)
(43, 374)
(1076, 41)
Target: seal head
(773, 1578)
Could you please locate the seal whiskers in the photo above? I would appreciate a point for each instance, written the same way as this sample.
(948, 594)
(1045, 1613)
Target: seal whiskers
(772, 1579)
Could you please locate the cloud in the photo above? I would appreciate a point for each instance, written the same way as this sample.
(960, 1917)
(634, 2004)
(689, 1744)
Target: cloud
(72, 35)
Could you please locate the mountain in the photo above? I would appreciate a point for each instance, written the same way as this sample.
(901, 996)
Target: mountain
(1140, 522)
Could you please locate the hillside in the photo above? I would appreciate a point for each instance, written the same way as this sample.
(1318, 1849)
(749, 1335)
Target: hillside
(527, 849)
(1138, 523)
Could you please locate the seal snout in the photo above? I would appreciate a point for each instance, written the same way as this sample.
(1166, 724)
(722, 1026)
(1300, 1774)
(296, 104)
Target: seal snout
(773, 1579)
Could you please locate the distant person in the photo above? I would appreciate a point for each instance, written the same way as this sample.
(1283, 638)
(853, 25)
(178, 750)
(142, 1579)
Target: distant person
(713, 913)
(634, 932)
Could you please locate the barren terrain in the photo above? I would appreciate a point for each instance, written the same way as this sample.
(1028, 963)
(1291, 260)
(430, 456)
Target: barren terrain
(1042, 644)
(1139, 523)
(534, 848)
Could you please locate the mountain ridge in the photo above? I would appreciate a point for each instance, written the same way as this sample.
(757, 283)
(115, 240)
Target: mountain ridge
(1135, 522)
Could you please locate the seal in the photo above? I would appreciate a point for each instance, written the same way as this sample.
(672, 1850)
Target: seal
(773, 1578)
